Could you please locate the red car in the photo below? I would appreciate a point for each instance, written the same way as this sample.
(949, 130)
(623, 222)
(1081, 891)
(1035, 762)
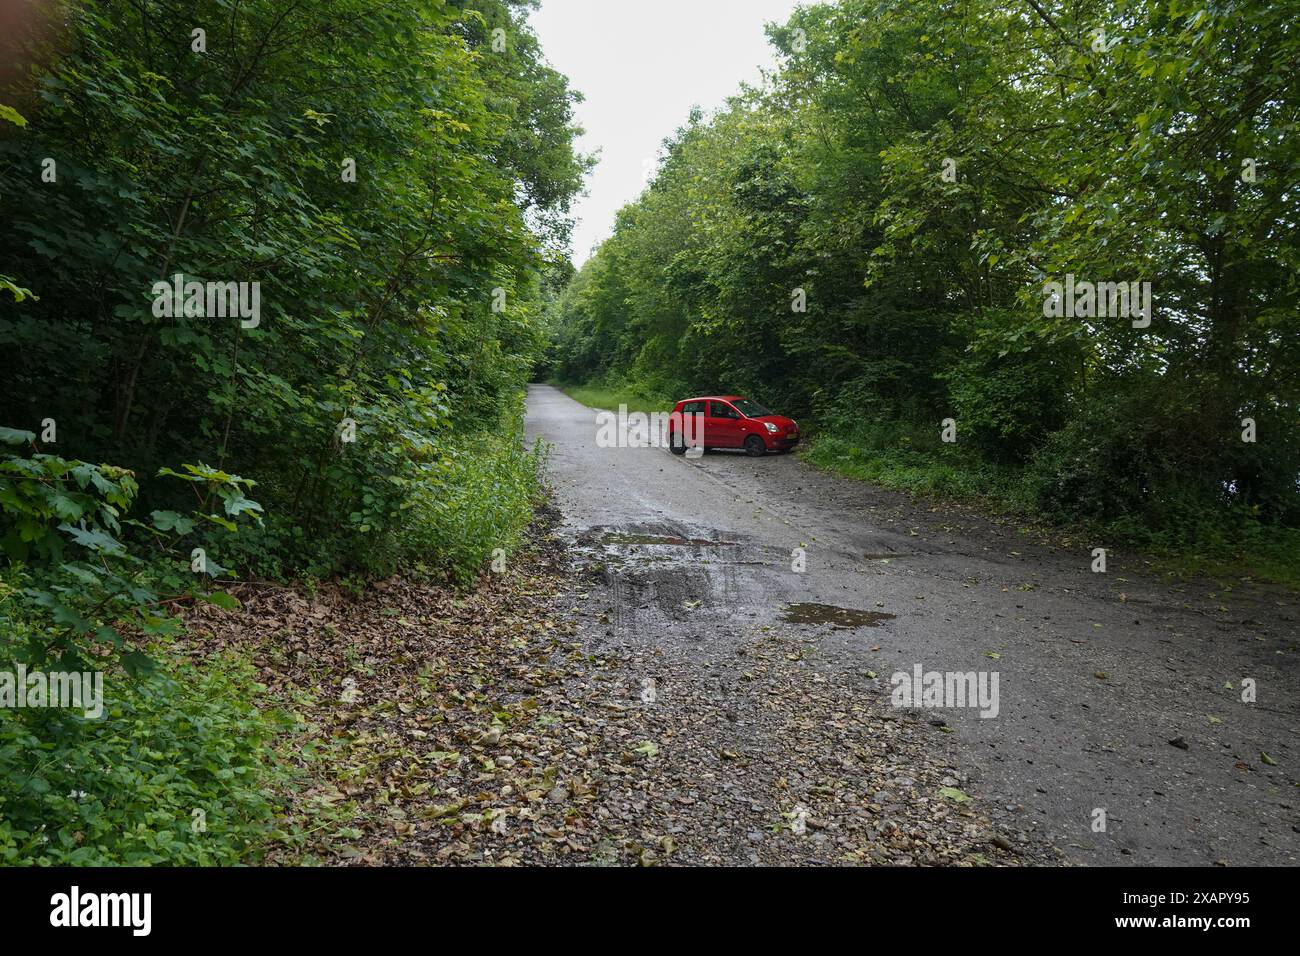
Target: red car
(729, 421)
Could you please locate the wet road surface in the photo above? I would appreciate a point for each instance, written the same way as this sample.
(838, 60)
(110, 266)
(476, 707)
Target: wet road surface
(1119, 695)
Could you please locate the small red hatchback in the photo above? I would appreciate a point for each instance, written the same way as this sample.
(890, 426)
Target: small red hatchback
(729, 421)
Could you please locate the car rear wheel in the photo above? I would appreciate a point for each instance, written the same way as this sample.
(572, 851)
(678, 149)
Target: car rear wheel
(675, 443)
(754, 446)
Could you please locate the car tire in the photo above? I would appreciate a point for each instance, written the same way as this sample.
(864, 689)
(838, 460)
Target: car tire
(675, 444)
(754, 447)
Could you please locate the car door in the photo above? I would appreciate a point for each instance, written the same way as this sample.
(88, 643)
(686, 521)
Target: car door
(722, 426)
(692, 424)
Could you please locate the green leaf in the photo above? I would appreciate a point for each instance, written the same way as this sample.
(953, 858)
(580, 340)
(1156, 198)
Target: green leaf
(13, 436)
(222, 600)
(108, 635)
(171, 521)
(137, 664)
(238, 504)
(95, 539)
(11, 115)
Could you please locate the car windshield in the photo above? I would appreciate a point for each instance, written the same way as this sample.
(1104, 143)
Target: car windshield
(751, 409)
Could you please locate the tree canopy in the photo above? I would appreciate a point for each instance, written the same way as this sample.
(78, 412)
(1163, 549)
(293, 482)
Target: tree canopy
(394, 177)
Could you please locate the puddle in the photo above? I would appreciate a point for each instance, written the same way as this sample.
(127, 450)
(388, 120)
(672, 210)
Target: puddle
(620, 538)
(835, 616)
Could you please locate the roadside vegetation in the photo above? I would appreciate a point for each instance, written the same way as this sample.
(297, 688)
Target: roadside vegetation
(635, 398)
(393, 180)
(865, 243)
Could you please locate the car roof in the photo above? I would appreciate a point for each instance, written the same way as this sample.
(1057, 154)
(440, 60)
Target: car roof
(718, 398)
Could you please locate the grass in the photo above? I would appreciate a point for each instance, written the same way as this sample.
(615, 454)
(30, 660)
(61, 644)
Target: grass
(1258, 551)
(610, 397)
(905, 469)
(1251, 550)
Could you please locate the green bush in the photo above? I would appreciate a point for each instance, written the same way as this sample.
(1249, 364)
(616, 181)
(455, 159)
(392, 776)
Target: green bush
(1007, 404)
(1098, 468)
(124, 788)
(908, 458)
(1143, 458)
(84, 587)
(485, 501)
(92, 574)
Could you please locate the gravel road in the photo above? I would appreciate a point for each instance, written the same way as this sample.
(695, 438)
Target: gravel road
(1119, 694)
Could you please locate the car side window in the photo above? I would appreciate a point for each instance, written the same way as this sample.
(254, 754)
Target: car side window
(693, 408)
(723, 410)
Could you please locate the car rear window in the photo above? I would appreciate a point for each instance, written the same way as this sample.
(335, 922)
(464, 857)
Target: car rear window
(693, 408)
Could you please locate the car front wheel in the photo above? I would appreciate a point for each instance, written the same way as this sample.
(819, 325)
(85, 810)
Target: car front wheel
(754, 446)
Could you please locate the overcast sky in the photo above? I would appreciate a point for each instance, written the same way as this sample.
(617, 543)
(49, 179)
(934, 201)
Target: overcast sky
(642, 65)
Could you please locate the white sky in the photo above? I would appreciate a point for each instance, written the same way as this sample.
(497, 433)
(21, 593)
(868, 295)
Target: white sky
(642, 65)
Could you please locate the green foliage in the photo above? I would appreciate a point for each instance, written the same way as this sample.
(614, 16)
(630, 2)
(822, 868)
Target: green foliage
(123, 789)
(404, 299)
(486, 501)
(396, 190)
(896, 456)
(1007, 403)
(1101, 467)
(61, 528)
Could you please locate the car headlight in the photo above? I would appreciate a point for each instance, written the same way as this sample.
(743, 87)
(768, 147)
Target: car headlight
(771, 428)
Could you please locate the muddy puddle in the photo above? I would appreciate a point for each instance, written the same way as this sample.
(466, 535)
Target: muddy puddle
(660, 539)
(844, 617)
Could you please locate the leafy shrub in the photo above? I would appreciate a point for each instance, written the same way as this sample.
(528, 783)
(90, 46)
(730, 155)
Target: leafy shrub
(1142, 456)
(435, 502)
(484, 503)
(1007, 404)
(1097, 468)
(895, 455)
(61, 526)
(1152, 473)
(123, 789)
(85, 585)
